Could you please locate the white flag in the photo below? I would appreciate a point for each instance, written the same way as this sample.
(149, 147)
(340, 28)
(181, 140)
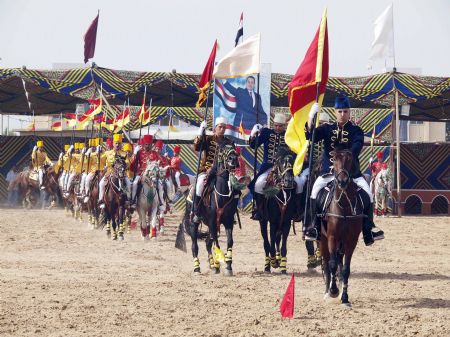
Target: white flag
(240, 61)
(383, 44)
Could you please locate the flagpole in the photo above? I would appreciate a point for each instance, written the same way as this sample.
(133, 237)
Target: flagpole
(393, 35)
(255, 153)
(310, 162)
(149, 115)
(201, 143)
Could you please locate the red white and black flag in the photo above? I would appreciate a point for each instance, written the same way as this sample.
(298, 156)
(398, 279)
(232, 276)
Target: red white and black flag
(89, 40)
(240, 32)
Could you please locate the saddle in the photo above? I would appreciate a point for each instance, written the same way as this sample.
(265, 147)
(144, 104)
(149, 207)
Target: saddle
(33, 175)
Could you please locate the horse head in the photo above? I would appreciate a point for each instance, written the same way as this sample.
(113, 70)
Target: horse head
(228, 157)
(342, 165)
(283, 167)
(151, 172)
(119, 167)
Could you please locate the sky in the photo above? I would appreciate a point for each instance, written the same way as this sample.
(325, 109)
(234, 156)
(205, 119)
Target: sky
(178, 34)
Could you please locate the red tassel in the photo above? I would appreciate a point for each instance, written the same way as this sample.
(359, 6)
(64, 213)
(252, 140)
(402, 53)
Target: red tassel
(287, 304)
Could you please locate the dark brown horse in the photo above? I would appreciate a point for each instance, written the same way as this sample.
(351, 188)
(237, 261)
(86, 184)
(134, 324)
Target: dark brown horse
(341, 225)
(27, 183)
(115, 198)
(92, 204)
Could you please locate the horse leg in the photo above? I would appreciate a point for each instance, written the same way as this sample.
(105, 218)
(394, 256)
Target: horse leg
(284, 236)
(209, 243)
(333, 265)
(121, 219)
(273, 238)
(325, 265)
(154, 218)
(194, 238)
(213, 233)
(312, 260)
(263, 227)
(229, 255)
(346, 271)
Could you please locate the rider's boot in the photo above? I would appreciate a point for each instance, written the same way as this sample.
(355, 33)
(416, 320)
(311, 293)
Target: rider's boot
(312, 232)
(370, 231)
(196, 205)
(257, 212)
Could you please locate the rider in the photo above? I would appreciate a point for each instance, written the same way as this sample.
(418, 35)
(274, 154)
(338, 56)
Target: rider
(76, 165)
(128, 148)
(272, 140)
(63, 163)
(141, 155)
(39, 158)
(351, 135)
(109, 158)
(209, 145)
(90, 167)
(175, 164)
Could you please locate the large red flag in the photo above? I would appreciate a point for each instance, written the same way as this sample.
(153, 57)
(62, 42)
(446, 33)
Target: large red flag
(206, 76)
(287, 304)
(303, 90)
(89, 40)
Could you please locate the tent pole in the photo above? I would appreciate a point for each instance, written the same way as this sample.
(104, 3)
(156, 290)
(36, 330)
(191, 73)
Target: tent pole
(397, 138)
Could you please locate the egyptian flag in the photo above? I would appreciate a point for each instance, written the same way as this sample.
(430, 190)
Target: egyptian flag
(144, 114)
(206, 76)
(94, 110)
(122, 119)
(90, 38)
(240, 32)
(307, 86)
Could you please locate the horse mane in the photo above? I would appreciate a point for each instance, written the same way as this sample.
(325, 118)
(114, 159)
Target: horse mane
(283, 151)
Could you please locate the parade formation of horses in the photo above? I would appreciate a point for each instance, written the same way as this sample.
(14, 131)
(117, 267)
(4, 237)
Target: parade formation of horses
(218, 206)
(341, 225)
(279, 210)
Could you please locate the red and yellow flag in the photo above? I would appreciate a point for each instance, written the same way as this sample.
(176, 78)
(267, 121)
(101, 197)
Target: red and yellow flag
(144, 114)
(94, 109)
(206, 78)
(307, 85)
(56, 126)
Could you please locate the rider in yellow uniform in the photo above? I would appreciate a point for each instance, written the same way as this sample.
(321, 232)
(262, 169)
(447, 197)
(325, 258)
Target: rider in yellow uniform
(90, 166)
(63, 163)
(75, 167)
(109, 157)
(128, 148)
(39, 158)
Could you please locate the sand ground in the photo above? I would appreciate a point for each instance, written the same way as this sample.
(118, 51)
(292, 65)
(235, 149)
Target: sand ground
(59, 278)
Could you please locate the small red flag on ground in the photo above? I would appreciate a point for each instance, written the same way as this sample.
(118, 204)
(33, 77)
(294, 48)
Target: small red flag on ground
(90, 39)
(287, 304)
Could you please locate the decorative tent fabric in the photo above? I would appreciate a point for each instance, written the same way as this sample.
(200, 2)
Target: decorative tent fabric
(55, 91)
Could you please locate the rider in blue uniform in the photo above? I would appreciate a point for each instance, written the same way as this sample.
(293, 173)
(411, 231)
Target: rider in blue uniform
(271, 140)
(351, 136)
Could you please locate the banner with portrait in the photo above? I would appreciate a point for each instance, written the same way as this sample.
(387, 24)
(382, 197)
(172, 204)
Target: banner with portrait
(238, 100)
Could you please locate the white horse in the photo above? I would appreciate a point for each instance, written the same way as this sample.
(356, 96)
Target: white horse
(150, 200)
(383, 189)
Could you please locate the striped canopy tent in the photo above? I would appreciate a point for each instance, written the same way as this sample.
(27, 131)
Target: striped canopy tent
(55, 91)
(427, 97)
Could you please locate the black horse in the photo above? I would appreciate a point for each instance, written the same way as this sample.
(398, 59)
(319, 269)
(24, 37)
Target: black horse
(218, 206)
(278, 210)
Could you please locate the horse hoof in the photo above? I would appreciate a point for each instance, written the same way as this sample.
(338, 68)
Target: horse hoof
(346, 306)
(197, 272)
(228, 272)
(108, 234)
(216, 270)
(154, 239)
(284, 272)
(267, 270)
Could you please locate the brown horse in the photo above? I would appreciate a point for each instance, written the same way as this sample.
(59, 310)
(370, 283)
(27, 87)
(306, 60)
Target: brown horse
(115, 198)
(341, 225)
(92, 204)
(27, 183)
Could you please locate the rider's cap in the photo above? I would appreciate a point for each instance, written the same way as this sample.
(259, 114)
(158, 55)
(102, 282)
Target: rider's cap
(279, 118)
(342, 102)
(109, 142)
(324, 118)
(148, 139)
(76, 146)
(94, 142)
(40, 143)
(220, 120)
(117, 138)
(238, 149)
(159, 144)
(177, 149)
(127, 147)
(66, 147)
(380, 154)
(81, 146)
